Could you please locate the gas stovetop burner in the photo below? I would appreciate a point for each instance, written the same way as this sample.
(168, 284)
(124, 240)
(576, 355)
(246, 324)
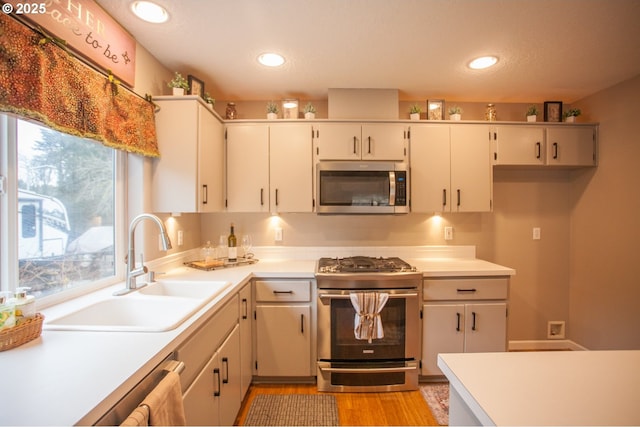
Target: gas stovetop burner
(363, 264)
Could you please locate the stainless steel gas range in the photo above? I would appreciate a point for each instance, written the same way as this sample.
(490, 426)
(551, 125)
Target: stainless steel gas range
(368, 324)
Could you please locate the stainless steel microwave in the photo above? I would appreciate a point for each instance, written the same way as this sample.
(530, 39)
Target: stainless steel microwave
(345, 187)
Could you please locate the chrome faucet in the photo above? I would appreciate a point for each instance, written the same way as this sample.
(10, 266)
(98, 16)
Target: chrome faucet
(133, 272)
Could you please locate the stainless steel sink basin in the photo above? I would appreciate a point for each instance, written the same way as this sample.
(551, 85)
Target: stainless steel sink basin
(161, 306)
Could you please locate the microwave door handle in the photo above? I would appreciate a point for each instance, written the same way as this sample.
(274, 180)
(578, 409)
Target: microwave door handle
(392, 188)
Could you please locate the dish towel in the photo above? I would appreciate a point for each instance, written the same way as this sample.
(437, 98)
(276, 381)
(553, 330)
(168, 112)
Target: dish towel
(163, 406)
(368, 305)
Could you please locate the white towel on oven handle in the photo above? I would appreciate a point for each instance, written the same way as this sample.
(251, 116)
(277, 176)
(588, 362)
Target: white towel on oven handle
(368, 305)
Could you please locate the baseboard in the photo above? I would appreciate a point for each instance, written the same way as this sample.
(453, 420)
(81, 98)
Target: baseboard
(541, 345)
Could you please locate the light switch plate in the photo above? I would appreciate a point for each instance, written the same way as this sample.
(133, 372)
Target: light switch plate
(448, 233)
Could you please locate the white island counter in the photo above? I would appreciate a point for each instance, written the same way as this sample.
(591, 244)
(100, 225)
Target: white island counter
(543, 388)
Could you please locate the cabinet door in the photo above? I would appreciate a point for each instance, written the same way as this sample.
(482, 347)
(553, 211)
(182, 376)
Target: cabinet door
(384, 142)
(443, 332)
(486, 327)
(175, 173)
(210, 162)
(202, 398)
(430, 169)
(471, 178)
(291, 168)
(246, 343)
(337, 141)
(571, 146)
(283, 343)
(248, 168)
(230, 396)
(519, 145)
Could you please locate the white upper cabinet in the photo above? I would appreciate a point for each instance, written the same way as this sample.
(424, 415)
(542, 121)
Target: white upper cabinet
(571, 146)
(189, 175)
(247, 168)
(553, 145)
(450, 168)
(290, 167)
(269, 167)
(355, 141)
(519, 145)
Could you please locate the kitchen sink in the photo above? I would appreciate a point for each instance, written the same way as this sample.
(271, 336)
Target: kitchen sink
(161, 306)
(186, 289)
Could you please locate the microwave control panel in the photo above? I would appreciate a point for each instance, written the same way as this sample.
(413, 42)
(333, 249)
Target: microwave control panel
(401, 188)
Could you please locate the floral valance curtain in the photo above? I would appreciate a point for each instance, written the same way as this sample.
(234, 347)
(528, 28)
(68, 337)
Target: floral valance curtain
(40, 80)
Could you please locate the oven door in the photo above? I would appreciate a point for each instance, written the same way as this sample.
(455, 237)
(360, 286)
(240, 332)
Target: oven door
(386, 364)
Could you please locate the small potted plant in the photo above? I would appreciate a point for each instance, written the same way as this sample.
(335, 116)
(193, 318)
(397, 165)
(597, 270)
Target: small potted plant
(532, 113)
(209, 100)
(309, 111)
(272, 110)
(179, 84)
(414, 112)
(571, 114)
(455, 113)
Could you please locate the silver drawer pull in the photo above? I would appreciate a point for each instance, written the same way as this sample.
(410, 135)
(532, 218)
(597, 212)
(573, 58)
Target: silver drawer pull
(467, 291)
(368, 370)
(282, 292)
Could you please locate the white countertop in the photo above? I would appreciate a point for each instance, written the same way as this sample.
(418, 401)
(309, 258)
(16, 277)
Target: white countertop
(69, 377)
(548, 388)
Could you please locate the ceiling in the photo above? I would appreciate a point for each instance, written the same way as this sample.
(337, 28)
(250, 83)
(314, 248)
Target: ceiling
(548, 49)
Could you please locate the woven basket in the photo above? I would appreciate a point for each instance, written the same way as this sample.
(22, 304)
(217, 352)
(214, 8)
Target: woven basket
(21, 334)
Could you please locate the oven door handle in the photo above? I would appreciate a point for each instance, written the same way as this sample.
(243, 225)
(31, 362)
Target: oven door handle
(368, 370)
(347, 296)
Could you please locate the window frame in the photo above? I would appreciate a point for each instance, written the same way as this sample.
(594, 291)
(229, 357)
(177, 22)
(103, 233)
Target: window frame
(9, 276)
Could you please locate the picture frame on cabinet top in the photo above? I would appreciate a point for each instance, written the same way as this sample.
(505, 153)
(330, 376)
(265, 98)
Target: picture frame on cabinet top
(196, 86)
(435, 109)
(553, 111)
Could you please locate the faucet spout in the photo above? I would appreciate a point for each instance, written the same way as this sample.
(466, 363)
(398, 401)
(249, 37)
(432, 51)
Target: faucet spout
(133, 272)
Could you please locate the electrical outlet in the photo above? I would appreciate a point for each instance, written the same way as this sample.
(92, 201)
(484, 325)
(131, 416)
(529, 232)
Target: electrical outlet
(278, 234)
(448, 233)
(180, 237)
(536, 233)
(555, 329)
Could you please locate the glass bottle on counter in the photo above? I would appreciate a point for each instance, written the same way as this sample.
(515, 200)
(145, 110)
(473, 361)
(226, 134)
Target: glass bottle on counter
(233, 246)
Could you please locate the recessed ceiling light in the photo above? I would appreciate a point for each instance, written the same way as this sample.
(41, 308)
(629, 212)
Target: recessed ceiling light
(271, 59)
(483, 62)
(150, 12)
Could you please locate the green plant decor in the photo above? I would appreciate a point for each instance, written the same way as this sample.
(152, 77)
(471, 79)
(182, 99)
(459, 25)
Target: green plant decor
(532, 110)
(309, 108)
(272, 107)
(179, 82)
(455, 110)
(572, 112)
(415, 109)
(208, 99)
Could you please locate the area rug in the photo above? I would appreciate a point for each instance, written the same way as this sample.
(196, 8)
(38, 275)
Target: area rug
(292, 410)
(437, 397)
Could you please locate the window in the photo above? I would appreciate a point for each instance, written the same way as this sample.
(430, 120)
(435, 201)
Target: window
(63, 220)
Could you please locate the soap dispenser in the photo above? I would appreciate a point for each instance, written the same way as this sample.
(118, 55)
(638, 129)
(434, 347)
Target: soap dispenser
(25, 305)
(7, 311)
(208, 252)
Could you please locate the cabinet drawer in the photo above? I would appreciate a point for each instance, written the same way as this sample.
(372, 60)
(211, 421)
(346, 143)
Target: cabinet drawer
(198, 348)
(467, 288)
(283, 290)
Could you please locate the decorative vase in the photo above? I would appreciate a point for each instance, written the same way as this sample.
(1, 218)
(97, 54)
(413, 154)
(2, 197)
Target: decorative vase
(490, 113)
(414, 116)
(532, 118)
(455, 116)
(272, 116)
(231, 113)
(310, 116)
(178, 91)
(570, 119)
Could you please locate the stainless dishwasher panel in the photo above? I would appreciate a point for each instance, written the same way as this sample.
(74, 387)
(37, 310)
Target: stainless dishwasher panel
(121, 410)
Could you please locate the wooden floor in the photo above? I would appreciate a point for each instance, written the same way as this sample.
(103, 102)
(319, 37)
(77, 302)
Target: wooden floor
(406, 408)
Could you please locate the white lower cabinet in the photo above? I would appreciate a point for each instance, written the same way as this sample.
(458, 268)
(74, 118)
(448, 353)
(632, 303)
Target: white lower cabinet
(283, 316)
(246, 341)
(211, 379)
(464, 315)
